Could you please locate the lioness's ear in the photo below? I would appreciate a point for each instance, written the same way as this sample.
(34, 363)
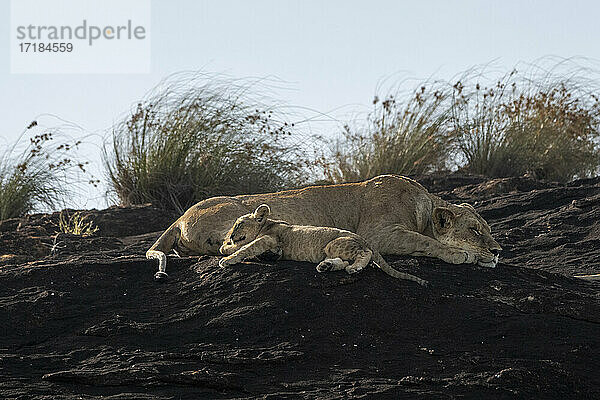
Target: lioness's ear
(443, 218)
(261, 213)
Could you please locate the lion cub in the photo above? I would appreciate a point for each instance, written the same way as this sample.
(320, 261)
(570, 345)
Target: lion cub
(334, 249)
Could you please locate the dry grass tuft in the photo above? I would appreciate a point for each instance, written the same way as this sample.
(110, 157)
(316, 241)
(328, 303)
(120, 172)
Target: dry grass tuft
(543, 123)
(400, 137)
(200, 136)
(36, 173)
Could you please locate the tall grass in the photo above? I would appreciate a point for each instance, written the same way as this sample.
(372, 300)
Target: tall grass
(198, 136)
(399, 136)
(545, 123)
(35, 175)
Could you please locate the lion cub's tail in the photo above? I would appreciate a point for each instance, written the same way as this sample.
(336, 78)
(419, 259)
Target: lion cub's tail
(162, 246)
(385, 267)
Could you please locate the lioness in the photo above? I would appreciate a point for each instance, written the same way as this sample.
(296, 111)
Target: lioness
(254, 234)
(394, 214)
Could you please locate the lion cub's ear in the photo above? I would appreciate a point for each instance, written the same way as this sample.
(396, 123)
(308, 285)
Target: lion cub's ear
(261, 213)
(443, 218)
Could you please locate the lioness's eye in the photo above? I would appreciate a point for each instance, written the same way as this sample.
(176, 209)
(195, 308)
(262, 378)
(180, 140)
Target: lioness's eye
(476, 231)
(242, 238)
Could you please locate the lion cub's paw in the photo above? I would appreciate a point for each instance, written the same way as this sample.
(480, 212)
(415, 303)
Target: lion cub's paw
(325, 266)
(354, 270)
(332, 264)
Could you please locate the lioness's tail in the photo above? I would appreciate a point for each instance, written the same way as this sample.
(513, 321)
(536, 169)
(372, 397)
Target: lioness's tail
(385, 267)
(162, 246)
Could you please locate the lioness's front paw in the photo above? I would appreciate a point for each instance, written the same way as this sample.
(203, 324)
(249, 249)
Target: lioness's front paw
(488, 264)
(459, 256)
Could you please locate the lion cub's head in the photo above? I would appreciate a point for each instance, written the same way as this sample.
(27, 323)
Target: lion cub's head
(460, 226)
(245, 229)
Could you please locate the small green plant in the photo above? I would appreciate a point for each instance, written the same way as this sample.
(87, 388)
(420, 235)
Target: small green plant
(198, 137)
(35, 175)
(76, 224)
(400, 137)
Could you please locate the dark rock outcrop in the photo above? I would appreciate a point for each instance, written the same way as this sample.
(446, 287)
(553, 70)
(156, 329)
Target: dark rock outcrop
(83, 318)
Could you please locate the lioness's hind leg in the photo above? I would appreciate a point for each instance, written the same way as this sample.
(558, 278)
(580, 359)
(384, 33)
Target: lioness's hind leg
(332, 264)
(163, 245)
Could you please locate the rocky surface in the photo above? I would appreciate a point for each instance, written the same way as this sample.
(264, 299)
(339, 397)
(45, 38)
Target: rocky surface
(82, 318)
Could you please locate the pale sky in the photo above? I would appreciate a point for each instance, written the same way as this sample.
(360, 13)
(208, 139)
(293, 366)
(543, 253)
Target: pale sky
(330, 53)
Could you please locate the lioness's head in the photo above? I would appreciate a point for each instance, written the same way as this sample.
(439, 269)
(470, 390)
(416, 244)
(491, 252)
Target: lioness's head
(460, 226)
(245, 229)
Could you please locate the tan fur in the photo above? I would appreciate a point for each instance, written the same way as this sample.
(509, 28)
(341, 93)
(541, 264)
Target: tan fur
(396, 216)
(334, 249)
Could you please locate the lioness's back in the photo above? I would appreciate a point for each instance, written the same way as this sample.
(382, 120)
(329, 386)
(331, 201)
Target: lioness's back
(333, 206)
